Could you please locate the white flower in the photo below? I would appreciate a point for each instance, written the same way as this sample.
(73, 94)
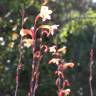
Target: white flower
(52, 49)
(67, 91)
(27, 42)
(45, 13)
(53, 28)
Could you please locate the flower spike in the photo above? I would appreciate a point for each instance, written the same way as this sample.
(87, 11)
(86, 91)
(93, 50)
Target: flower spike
(45, 13)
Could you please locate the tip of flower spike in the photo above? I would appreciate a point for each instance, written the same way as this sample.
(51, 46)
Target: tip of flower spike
(45, 13)
(46, 8)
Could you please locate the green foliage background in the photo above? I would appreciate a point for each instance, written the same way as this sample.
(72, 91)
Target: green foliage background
(76, 31)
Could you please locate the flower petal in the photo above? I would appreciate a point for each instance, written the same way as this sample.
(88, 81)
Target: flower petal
(24, 32)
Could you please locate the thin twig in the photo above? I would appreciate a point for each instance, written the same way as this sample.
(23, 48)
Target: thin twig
(17, 83)
(21, 54)
(18, 69)
(32, 77)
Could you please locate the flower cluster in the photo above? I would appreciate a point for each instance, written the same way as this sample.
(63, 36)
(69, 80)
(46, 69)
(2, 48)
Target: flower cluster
(45, 14)
(38, 48)
(61, 81)
(33, 42)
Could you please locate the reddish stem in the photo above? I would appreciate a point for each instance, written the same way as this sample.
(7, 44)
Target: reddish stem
(36, 19)
(90, 70)
(18, 67)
